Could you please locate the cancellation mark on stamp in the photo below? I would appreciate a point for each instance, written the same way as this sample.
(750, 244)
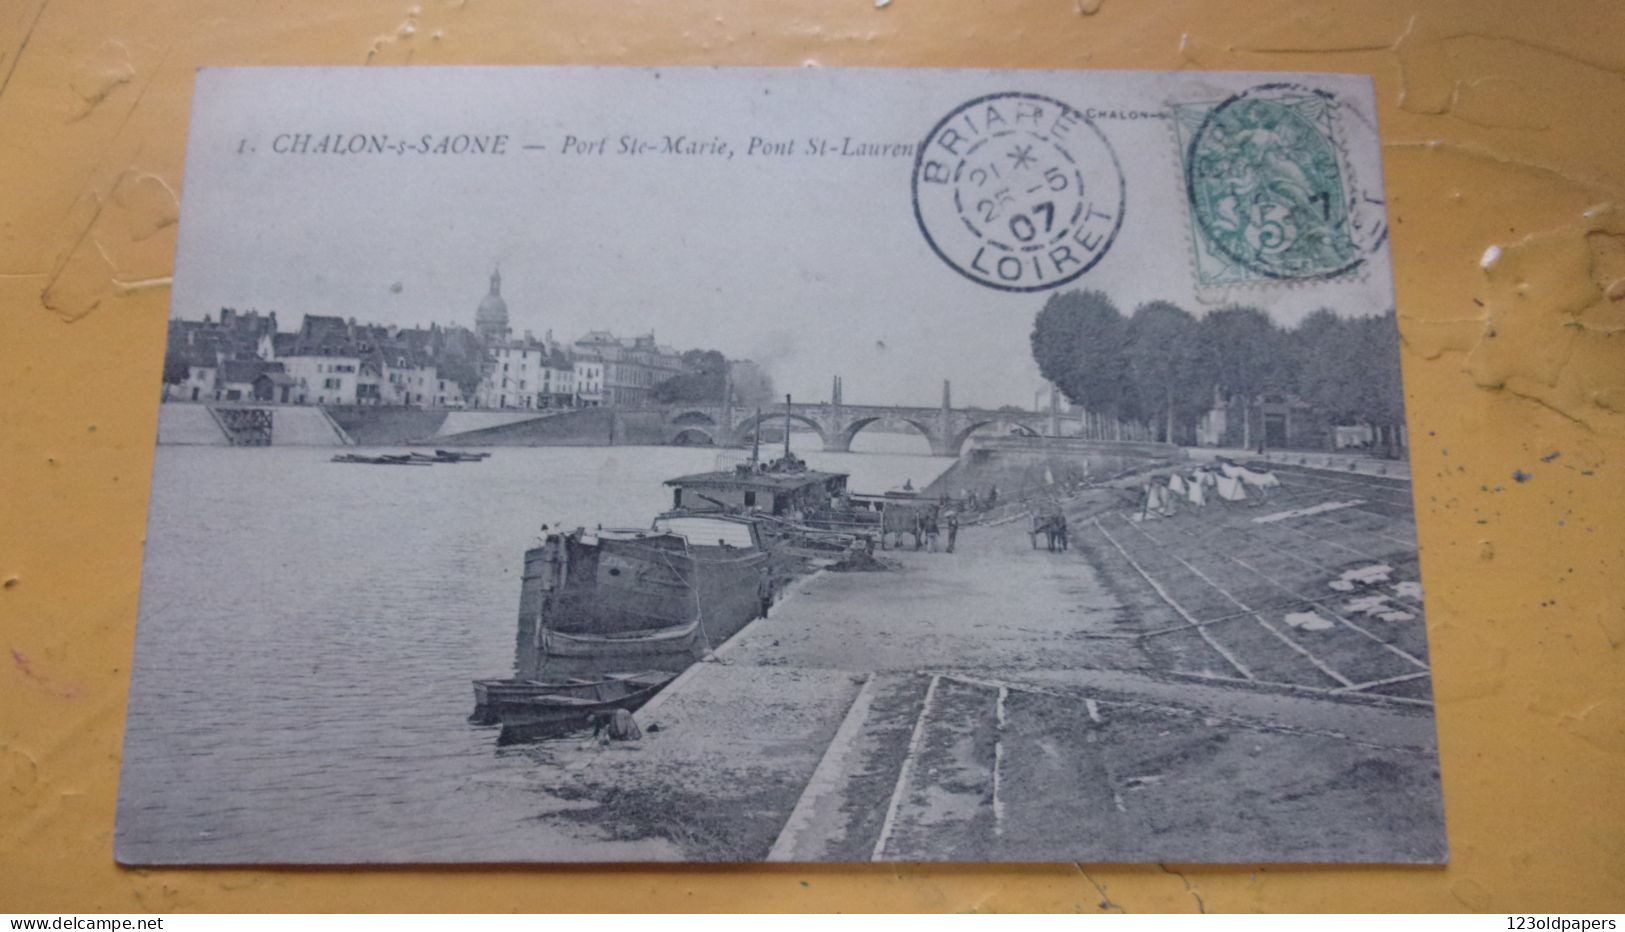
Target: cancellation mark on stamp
(1271, 194)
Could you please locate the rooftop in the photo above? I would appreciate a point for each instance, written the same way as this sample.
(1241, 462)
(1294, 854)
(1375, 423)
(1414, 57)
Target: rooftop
(246, 370)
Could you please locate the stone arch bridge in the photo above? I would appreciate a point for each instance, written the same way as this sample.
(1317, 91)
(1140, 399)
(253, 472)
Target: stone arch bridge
(945, 427)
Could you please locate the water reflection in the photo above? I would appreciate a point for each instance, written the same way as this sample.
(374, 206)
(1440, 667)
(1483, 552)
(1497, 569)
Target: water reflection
(309, 632)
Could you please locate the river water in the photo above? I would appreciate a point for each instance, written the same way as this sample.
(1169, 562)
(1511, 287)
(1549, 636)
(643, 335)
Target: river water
(308, 632)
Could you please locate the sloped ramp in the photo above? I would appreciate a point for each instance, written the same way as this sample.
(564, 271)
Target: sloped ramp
(462, 422)
(183, 424)
(579, 427)
(385, 425)
(304, 427)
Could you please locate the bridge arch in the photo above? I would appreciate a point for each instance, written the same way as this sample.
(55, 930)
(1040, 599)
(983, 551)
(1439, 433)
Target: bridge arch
(850, 431)
(692, 437)
(749, 424)
(692, 417)
(1008, 425)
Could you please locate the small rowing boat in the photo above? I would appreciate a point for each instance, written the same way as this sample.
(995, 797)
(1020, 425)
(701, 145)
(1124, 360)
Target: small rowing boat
(386, 460)
(531, 709)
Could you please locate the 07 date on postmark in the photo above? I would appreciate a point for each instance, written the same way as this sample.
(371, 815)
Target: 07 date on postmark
(1018, 191)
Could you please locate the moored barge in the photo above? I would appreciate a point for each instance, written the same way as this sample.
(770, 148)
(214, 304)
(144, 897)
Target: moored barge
(622, 599)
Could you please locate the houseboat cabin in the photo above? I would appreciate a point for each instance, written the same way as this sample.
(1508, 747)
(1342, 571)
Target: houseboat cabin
(782, 490)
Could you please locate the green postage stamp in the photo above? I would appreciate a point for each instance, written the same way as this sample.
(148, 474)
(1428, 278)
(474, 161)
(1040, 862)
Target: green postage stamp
(1271, 193)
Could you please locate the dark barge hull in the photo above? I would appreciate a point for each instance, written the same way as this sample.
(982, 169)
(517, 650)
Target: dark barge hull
(590, 605)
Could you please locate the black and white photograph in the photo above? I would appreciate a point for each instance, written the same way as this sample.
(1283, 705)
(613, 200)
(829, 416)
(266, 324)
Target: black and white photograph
(815, 465)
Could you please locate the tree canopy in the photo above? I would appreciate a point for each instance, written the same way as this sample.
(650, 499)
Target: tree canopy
(706, 380)
(176, 369)
(1242, 352)
(1078, 340)
(752, 384)
(1160, 352)
(1163, 366)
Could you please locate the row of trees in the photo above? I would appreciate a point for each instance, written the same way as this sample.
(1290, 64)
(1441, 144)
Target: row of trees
(711, 377)
(1164, 367)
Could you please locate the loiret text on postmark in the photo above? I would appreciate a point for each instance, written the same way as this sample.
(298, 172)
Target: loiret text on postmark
(1018, 191)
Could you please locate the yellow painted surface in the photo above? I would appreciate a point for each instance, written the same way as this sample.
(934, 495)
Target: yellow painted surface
(1504, 125)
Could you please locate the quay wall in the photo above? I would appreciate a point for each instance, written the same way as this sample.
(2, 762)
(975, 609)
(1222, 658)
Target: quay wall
(301, 426)
(1018, 465)
(461, 422)
(189, 425)
(582, 427)
(1338, 462)
(386, 426)
(372, 425)
(1076, 447)
(641, 427)
(196, 424)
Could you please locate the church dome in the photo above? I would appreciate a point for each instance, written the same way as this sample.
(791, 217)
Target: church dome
(491, 320)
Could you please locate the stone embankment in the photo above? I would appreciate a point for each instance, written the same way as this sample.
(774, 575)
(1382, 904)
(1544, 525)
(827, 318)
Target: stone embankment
(1024, 466)
(188, 424)
(1150, 694)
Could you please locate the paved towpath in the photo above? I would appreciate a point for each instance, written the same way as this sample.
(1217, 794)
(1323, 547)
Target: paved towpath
(996, 703)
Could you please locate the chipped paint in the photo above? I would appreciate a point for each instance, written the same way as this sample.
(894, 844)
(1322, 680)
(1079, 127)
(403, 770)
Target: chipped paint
(99, 76)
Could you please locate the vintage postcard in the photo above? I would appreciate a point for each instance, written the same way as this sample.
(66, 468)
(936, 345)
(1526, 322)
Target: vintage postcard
(578, 464)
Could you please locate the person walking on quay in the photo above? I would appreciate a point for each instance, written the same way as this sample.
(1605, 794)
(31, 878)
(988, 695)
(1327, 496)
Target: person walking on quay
(953, 529)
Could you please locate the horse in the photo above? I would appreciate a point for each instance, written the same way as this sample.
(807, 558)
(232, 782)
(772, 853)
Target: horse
(1053, 526)
(915, 518)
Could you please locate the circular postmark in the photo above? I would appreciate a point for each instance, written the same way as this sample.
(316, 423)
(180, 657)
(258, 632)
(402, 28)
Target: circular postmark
(1018, 191)
(1269, 189)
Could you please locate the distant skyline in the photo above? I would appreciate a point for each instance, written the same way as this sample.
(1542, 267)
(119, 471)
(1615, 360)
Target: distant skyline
(811, 267)
(389, 306)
